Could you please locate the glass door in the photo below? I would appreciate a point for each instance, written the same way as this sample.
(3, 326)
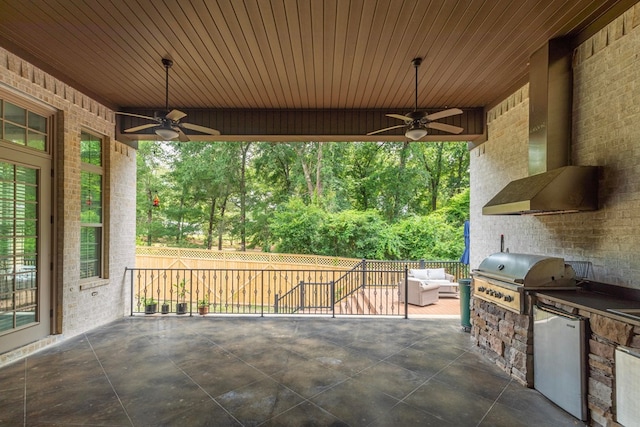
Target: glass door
(25, 222)
(24, 254)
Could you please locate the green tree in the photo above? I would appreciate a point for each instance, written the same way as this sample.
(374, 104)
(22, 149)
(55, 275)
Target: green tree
(296, 227)
(427, 237)
(352, 233)
(150, 183)
(365, 163)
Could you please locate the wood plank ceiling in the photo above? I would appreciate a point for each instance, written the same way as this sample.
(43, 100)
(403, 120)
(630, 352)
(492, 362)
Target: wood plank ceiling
(293, 54)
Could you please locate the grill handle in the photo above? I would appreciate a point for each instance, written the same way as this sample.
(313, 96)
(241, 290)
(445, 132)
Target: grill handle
(497, 277)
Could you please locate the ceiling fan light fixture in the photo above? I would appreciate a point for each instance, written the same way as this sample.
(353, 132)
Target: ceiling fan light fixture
(167, 134)
(415, 132)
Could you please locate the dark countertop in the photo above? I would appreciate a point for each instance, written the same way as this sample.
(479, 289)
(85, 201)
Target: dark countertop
(595, 301)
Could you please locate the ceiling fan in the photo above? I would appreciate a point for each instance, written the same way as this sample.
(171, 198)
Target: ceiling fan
(417, 122)
(169, 126)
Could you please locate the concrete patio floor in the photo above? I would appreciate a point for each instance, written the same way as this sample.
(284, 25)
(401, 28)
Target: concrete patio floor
(268, 371)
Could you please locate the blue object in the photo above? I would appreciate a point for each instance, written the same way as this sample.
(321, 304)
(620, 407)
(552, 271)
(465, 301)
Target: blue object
(465, 255)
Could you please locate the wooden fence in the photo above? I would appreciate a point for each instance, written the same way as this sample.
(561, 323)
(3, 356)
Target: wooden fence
(186, 258)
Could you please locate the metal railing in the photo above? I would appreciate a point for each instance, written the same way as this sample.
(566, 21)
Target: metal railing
(370, 287)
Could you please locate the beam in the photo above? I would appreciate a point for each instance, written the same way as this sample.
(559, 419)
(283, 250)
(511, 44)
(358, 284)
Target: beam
(302, 125)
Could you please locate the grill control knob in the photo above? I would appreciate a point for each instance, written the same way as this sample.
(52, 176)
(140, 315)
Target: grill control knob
(508, 298)
(481, 289)
(498, 295)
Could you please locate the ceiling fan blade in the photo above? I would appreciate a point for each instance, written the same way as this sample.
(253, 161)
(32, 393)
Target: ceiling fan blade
(445, 127)
(182, 137)
(199, 128)
(385, 129)
(400, 117)
(137, 115)
(141, 127)
(444, 113)
(175, 115)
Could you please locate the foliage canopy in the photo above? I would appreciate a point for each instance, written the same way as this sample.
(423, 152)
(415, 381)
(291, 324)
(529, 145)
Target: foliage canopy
(374, 200)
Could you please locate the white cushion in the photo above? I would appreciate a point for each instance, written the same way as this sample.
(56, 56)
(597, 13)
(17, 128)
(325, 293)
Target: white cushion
(420, 274)
(436, 273)
(428, 273)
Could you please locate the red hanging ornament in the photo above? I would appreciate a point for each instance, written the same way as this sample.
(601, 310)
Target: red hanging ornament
(156, 201)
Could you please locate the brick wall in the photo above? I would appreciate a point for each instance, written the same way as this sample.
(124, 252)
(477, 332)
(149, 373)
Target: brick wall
(606, 133)
(82, 305)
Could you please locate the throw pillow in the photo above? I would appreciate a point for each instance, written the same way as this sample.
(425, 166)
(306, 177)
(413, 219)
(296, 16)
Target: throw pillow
(436, 273)
(420, 274)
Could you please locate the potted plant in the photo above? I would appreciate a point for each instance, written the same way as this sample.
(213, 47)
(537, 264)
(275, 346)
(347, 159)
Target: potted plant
(150, 305)
(181, 288)
(203, 306)
(165, 308)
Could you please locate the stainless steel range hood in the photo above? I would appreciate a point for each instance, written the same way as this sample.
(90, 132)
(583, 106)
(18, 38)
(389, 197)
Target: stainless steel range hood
(561, 190)
(553, 186)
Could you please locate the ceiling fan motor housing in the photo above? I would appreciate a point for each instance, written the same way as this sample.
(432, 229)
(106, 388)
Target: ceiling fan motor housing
(415, 116)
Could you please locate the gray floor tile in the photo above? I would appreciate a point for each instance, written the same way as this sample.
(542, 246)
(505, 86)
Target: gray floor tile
(259, 402)
(392, 379)
(345, 402)
(407, 416)
(453, 405)
(305, 415)
(418, 361)
(479, 382)
(309, 378)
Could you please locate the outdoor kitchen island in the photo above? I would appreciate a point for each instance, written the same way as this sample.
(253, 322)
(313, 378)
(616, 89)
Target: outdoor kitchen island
(506, 338)
(613, 376)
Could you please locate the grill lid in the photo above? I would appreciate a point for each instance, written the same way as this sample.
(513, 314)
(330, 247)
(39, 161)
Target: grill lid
(527, 270)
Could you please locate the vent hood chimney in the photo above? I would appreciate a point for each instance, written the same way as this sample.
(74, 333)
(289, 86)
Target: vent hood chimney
(553, 186)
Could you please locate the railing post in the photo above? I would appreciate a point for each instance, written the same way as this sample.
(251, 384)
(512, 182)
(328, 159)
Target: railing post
(406, 291)
(275, 304)
(421, 264)
(301, 302)
(364, 274)
(191, 293)
(261, 295)
(333, 298)
(131, 275)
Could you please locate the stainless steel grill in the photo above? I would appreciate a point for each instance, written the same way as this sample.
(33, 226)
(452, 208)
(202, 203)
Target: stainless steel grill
(502, 278)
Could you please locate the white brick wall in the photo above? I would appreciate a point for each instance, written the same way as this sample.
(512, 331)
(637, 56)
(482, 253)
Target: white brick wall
(82, 305)
(606, 133)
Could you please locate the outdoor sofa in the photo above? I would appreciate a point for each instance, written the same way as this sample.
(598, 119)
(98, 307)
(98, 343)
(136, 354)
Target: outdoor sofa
(448, 287)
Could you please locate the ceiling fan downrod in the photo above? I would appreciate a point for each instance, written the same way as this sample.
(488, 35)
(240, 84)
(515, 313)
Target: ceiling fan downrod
(416, 63)
(167, 64)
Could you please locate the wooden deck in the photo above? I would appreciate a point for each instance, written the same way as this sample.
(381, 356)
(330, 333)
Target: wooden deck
(444, 306)
(376, 301)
